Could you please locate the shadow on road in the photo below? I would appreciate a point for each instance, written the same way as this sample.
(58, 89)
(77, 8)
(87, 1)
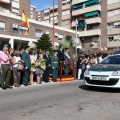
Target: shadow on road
(99, 89)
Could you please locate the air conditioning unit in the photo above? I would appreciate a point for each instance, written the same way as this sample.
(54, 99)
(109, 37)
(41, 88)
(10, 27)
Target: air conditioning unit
(56, 34)
(15, 26)
(92, 44)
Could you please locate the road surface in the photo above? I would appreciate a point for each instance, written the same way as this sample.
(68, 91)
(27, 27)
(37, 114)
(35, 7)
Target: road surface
(59, 101)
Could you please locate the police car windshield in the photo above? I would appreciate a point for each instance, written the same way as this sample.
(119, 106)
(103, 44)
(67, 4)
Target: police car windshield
(111, 60)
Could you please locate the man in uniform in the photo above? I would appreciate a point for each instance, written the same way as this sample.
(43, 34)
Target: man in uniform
(26, 59)
(74, 59)
(55, 65)
(67, 62)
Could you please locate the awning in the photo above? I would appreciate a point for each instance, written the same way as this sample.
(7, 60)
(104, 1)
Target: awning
(93, 13)
(90, 2)
(76, 6)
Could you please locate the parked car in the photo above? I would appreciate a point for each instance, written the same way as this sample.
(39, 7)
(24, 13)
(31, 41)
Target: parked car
(117, 52)
(104, 74)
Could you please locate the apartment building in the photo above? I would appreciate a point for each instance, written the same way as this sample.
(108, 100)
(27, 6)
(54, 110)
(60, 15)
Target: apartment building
(94, 35)
(11, 29)
(113, 24)
(101, 17)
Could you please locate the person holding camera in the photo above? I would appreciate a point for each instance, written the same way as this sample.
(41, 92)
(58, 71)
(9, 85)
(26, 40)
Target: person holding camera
(5, 68)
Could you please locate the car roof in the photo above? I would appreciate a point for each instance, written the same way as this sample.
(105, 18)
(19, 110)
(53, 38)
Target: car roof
(114, 55)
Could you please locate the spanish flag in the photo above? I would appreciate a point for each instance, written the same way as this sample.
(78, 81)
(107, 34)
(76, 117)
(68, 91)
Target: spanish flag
(25, 22)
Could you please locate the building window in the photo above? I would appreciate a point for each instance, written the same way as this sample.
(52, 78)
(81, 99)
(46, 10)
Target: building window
(15, 27)
(2, 26)
(38, 32)
(110, 25)
(65, 22)
(60, 37)
(46, 14)
(22, 29)
(55, 18)
(110, 38)
(16, 0)
(55, 10)
(65, 2)
(114, 25)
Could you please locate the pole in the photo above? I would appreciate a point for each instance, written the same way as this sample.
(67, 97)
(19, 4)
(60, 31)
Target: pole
(53, 27)
(76, 22)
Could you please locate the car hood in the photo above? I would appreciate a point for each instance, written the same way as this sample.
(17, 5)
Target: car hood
(105, 67)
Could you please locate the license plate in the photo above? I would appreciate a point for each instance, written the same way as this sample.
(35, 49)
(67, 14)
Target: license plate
(99, 78)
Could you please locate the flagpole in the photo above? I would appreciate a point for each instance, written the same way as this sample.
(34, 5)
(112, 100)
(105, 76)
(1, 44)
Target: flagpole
(53, 29)
(76, 22)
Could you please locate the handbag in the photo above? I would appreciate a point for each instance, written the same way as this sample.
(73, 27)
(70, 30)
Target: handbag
(20, 67)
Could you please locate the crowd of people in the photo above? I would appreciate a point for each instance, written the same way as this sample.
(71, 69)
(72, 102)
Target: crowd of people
(25, 66)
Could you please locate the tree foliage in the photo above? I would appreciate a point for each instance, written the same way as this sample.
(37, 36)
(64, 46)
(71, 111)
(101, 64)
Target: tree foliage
(68, 42)
(44, 43)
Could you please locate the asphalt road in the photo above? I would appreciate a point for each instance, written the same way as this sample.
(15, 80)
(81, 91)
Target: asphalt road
(59, 101)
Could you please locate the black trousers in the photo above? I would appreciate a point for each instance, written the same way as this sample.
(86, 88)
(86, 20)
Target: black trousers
(46, 74)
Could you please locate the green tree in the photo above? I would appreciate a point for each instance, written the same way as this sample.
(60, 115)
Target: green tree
(68, 42)
(69, 39)
(44, 43)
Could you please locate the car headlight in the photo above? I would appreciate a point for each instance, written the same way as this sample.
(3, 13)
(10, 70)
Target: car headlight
(116, 73)
(87, 72)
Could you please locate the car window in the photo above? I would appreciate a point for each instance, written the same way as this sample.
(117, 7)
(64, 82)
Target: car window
(111, 60)
(117, 52)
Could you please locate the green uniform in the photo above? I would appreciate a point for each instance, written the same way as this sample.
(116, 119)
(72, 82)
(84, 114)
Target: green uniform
(74, 60)
(26, 59)
(55, 66)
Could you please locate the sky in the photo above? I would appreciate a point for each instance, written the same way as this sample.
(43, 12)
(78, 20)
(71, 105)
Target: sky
(42, 4)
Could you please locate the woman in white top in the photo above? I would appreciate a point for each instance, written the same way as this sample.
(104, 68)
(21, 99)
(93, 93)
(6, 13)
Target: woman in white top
(32, 60)
(16, 72)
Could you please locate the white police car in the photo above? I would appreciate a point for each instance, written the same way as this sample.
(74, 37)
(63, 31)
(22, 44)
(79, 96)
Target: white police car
(104, 74)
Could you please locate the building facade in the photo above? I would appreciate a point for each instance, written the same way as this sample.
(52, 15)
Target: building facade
(102, 21)
(11, 29)
(101, 18)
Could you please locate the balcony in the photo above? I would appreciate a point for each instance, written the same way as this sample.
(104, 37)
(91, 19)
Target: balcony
(113, 6)
(55, 7)
(66, 26)
(90, 21)
(5, 1)
(113, 43)
(113, 18)
(15, 5)
(90, 33)
(55, 21)
(46, 17)
(4, 10)
(64, 17)
(65, 7)
(55, 14)
(93, 20)
(85, 10)
(78, 1)
(114, 31)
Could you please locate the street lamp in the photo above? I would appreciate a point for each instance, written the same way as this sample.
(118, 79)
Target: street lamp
(76, 23)
(53, 25)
